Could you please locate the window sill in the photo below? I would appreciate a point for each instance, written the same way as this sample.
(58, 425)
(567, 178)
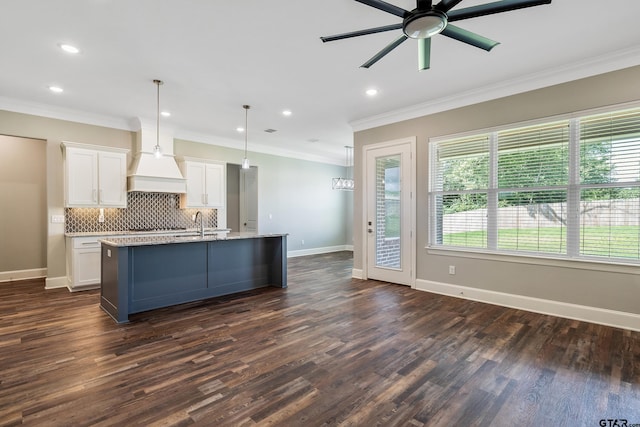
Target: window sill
(549, 261)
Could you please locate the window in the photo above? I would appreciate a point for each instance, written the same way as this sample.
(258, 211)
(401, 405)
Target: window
(568, 188)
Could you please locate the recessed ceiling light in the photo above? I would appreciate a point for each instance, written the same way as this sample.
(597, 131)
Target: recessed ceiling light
(286, 112)
(165, 114)
(56, 89)
(372, 92)
(240, 129)
(69, 48)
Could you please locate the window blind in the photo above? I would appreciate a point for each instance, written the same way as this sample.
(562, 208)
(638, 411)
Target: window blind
(564, 188)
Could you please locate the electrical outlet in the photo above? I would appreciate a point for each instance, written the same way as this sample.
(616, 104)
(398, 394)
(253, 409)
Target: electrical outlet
(452, 269)
(193, 218)
(100, 218)
(302, 242)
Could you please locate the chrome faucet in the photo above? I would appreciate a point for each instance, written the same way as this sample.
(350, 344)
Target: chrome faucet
(199, 214)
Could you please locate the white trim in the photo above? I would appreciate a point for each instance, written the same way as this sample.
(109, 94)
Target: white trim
(329, 158)
(61, 113)
(617, 319)
(78, 288)
(316, 251)
(357, 273)
(55, 282)
(617, 60)
(542, 260)
(412, 141)
(34, 273)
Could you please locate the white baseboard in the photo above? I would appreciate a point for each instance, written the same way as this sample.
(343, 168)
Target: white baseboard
(597, 315)
(34, 273)
(55, 282)
(357, 273)
(316, 251)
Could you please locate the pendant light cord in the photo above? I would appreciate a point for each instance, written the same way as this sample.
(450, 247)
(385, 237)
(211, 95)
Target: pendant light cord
(157, 147)
(246, 128)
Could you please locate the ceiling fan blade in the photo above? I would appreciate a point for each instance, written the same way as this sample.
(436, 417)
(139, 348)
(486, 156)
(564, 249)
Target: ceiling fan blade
(378, 56)
(468, 37)
(361, 32)
(491, 8)
(446, 5)
(424, 54)
(386, 7)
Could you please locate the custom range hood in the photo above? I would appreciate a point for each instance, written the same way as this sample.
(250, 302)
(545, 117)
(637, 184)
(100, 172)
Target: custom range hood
(151, 173)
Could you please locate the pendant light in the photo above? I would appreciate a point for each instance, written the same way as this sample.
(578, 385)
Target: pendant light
(245, 161)
(345, 183)
(157, 151)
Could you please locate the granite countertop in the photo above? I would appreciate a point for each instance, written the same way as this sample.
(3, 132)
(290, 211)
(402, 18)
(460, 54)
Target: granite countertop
(186, 238)
(129, 233)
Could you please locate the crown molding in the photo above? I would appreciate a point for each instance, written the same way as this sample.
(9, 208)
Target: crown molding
(617, 60)
(258, 148)
(61, 113)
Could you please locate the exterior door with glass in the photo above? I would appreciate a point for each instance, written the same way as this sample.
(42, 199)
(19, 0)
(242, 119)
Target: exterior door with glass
(390, 213)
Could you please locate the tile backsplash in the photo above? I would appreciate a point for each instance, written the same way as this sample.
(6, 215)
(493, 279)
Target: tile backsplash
(144, 211)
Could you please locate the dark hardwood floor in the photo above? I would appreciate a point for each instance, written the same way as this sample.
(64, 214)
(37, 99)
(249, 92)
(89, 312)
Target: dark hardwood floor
(329, 350)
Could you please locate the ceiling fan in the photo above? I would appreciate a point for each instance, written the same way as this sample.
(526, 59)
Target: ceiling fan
(427, 20)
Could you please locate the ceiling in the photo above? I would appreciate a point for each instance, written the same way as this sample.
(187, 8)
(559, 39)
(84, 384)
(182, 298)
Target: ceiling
(215, 56)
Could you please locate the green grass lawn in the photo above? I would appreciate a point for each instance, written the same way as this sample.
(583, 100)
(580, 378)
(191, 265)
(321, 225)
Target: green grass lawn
(615, 242)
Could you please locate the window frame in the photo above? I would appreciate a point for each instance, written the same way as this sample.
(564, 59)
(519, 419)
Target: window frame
(574, 188)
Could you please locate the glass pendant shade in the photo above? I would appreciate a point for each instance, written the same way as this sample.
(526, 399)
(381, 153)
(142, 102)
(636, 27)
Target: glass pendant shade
(245, 163)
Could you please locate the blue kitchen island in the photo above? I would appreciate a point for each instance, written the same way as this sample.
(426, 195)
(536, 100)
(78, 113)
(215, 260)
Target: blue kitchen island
(145, 273)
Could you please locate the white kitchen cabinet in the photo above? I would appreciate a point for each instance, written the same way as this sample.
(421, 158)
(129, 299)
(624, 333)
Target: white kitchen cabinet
(206, 184)
(83, 262)
(95, 177)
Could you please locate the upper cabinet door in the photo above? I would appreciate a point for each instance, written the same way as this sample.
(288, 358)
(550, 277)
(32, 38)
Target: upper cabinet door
(216, 186)
(81, 177)
(112, 179)
(95, 178)
(195, 174)
(206, 184)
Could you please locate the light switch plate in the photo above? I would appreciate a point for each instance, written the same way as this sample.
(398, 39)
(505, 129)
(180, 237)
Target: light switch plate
(57, 219)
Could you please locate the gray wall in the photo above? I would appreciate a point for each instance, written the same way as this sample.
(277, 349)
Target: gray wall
(294, 196)
(23, 202)
(566, 283)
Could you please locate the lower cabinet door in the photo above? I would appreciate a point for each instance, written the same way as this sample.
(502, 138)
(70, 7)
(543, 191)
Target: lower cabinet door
(86, 265)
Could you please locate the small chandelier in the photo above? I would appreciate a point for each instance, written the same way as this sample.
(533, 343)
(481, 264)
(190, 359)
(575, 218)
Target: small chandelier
(345, 183)
(245, 161)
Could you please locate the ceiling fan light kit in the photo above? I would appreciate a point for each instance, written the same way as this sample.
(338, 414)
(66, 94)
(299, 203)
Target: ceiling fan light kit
(424, 25)
(428, 20)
